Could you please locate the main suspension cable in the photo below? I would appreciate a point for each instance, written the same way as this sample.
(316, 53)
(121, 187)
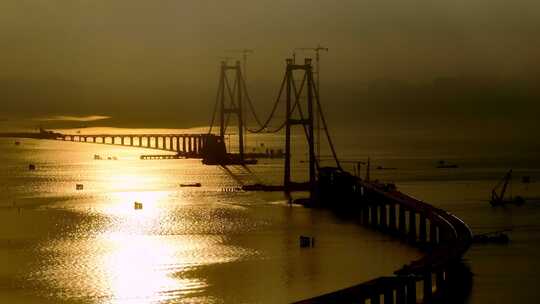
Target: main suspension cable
(216, 104)
(323, 120)
(274, 108)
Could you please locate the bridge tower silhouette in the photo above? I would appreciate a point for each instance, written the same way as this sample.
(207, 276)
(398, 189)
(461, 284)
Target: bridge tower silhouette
(294, 116)
(230, 101)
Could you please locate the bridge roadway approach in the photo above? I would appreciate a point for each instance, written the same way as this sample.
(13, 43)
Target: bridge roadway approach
(185, 145)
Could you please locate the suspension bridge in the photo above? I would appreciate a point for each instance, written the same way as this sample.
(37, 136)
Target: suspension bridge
(297, 101)
(442, 237)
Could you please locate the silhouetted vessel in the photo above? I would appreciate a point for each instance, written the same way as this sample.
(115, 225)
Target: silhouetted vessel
(498, 199)
(498, 237)
(443, 165)
(191, 185)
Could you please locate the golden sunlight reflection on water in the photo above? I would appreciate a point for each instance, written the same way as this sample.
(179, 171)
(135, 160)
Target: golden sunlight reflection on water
(139, 268)
(185, 244)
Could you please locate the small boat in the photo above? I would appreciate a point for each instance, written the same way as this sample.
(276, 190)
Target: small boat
(443, 165)
(497, 237)
(137, 206)
(31, 167)
(385, 168)
(79, 186)
(191, 185)
(17, 143)
(498, 199)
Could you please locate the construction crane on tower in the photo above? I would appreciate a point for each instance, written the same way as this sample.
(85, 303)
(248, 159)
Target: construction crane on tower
(245, 53)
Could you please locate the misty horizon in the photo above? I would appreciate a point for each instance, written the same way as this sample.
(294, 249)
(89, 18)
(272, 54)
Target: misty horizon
(146, 65)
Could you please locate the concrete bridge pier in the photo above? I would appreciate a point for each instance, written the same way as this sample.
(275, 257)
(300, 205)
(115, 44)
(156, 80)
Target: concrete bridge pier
(383, 217)
(439, 283)
(411, 291)
(389, 296)
(422, 230)
(374, 221)
(412, 226)
(433, 233)
(365, 214)
(392, 218)
(401, 221)
(428, 286)
(401, 294)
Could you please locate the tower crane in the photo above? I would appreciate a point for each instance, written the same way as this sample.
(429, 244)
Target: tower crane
(245, 53)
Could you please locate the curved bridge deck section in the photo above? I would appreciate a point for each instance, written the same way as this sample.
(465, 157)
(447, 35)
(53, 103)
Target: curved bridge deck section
(441, 236)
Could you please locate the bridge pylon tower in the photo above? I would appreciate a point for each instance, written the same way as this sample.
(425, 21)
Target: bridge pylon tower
(230, 100)
(294, 116)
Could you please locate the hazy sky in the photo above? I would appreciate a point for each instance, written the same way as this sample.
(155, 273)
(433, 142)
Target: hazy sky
(104, 57)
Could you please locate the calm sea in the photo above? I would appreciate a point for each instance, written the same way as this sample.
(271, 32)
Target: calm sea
(212, 245)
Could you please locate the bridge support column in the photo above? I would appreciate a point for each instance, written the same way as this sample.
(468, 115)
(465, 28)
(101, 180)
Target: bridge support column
(412, 226)
(374, 219)
(389, 296)
(428, 285)
(433, 233)
(392, 219)
(122, 140)
(411, 291)
(439, 283)
(376, 299)
(383, 216)
(365, 214)
(184, 144)
(423, 230)
(401, 297)
(402, 224)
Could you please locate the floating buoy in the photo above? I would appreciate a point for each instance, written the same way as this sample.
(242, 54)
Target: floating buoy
(137, 206)
(31, 167)
(79, 187)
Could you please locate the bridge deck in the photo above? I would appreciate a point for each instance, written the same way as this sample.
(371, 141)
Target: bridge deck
(189, 145)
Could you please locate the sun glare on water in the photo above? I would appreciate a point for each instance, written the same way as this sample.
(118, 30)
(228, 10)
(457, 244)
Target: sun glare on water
(139, 265)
